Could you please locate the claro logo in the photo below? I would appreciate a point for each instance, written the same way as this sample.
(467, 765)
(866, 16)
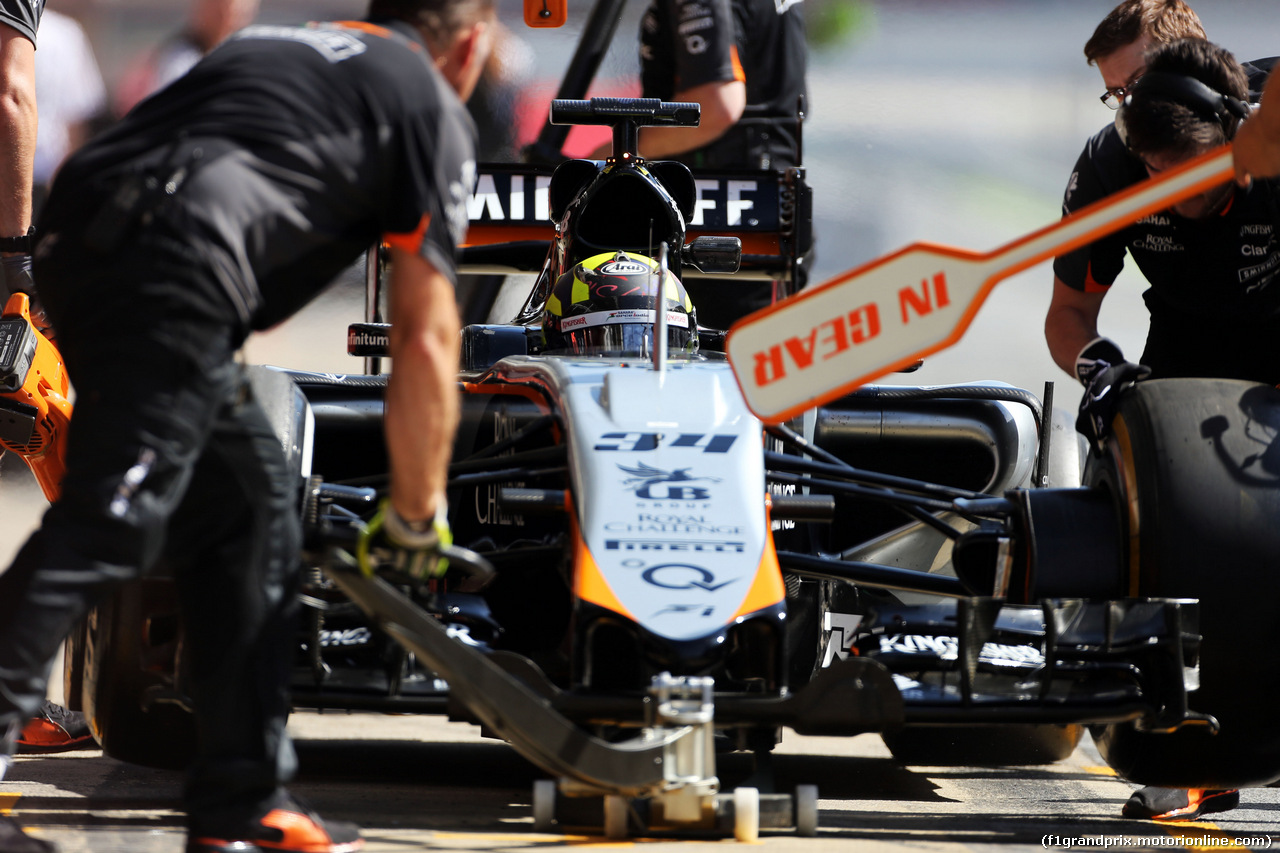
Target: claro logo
(832, 337)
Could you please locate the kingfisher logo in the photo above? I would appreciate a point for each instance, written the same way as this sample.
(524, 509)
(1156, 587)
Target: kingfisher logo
(624, 268)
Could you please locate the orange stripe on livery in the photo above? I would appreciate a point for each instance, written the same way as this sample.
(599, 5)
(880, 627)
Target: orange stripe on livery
(588, 582)
(412, 241)
(365, 27)
(738, 73)
(1091, 284)
(767, 588)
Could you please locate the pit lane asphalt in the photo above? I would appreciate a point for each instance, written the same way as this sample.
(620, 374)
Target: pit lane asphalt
(416, 783)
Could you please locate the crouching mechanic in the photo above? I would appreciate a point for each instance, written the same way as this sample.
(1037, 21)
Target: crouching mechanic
(1212, 263)
(217, 207)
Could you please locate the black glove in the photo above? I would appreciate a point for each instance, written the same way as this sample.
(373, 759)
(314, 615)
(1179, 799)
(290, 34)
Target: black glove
(1102, 370)
(15, 277)
(389, 540)
(16, 271)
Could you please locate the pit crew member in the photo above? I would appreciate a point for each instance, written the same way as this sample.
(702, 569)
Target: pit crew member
(1118, 48)
(744, 62)
(220, 206)
(1223, 238)
(1211, 263)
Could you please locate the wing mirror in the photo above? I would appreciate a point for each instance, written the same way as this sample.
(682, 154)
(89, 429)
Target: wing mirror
(713, 254)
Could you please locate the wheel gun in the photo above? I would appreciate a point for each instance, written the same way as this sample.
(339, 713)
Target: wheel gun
(34, 409)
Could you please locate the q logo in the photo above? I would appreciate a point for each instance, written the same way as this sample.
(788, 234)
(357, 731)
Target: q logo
(680, 576)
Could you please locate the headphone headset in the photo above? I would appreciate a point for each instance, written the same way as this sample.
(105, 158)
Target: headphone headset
(1190, 92)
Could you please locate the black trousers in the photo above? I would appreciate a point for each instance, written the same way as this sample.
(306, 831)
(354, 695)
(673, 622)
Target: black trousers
(168, 455)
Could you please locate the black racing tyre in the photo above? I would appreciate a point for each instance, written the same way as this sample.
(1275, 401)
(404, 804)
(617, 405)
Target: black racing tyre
(123, 662)
(983, 746)
(73, 668)
(1194, 468)
(130, 646)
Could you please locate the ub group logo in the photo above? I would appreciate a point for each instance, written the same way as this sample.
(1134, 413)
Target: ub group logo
(656, 484)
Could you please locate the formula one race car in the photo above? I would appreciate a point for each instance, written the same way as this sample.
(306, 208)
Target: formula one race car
(652, 577)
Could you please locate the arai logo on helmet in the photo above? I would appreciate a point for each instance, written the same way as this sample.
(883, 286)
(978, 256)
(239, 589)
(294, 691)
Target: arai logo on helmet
(623, 268)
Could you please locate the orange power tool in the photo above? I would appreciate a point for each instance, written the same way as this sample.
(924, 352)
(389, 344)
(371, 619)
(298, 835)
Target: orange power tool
(34, 409)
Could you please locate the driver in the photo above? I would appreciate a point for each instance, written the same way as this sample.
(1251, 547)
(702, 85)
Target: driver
(606, 306)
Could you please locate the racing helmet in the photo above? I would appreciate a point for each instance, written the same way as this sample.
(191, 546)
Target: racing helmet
(606, 305)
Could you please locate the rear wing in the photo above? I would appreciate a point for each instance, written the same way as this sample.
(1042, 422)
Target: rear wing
(771, 211)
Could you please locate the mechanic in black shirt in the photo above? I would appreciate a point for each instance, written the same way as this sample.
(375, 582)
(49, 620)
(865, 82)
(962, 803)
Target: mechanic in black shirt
(1209, 263)
(217, 207)
(1119, 47)
(744, 62)
(1212, 263)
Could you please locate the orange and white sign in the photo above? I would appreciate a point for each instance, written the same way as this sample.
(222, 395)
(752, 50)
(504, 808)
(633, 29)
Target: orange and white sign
(885, 315)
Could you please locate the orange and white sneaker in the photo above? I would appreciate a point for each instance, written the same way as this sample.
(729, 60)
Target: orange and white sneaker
(55, 729)
(1174, 804)
(280, 825)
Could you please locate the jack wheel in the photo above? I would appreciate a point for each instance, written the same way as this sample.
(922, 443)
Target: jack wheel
(615, 817)
(746, 814)
(806, 806)
(544, 805)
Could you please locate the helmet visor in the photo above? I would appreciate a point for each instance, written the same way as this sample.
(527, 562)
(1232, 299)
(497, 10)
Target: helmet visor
(584, 337)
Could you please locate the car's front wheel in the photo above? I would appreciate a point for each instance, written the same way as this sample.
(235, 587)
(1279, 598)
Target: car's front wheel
(1194, 470)
(127, 659)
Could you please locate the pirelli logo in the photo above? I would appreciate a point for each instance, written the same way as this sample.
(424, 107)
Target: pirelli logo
(740, 201)
(714, 547)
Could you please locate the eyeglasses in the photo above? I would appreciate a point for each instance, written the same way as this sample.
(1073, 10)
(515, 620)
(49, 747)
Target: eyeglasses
(1113, 98)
